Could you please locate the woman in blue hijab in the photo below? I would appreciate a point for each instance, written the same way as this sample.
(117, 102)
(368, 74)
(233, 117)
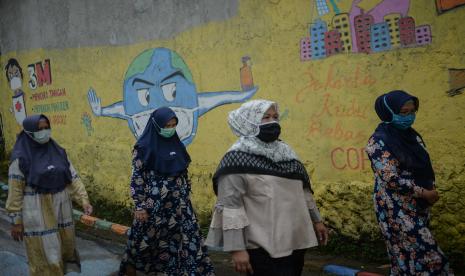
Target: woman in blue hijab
(42, 182)
(404, 188)
(165, 237)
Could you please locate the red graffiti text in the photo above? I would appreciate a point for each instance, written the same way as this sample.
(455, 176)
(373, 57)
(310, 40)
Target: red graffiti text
(333, 82)
(349, 158)
(336, 132)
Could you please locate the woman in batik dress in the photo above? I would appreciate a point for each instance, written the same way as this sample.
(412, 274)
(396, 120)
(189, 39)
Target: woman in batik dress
(165, 237)
(404, 188)
(42, 182)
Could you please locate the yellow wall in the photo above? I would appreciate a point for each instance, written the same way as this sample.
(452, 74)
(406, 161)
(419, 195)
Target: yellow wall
(326, 136)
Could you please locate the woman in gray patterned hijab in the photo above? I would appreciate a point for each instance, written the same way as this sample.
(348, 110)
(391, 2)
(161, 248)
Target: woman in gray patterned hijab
(259, 183)
(250, 122)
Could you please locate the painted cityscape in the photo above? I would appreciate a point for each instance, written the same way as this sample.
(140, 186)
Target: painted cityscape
(385, 27)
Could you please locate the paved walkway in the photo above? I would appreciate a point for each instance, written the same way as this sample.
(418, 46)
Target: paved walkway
(101, 256)
(97, 259)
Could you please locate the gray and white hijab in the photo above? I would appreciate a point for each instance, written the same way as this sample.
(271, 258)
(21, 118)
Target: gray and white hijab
(251, 155)
(245, 123)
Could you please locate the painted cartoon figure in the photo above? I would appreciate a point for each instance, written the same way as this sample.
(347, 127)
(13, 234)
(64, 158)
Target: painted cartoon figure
(14, 75)
(159, 77)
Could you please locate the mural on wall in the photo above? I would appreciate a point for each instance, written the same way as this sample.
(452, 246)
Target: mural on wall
(86, 121)
(159, 77)
(456, 82)
(384, 27)
(39, 76)
(333, 119)
(14, 76)
(49, 101)
(446, 5)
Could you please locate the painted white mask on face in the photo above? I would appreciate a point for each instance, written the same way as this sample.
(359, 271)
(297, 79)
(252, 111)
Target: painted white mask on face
(15, 83)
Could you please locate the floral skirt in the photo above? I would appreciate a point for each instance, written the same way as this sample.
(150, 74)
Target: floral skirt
(409, 241)
(169, 243)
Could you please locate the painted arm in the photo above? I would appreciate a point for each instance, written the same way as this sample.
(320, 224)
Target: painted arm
(210, 100)
(115, 110)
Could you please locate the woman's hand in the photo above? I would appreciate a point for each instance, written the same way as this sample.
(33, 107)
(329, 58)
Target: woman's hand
(322, 233)
(17, 231)
(241, 261)
(87, 208)
(431, 196)
(141, 215)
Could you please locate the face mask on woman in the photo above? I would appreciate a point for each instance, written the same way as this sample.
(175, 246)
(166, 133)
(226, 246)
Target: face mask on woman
(269, 132)
(41, 136)
(400, 121)
(165, 132)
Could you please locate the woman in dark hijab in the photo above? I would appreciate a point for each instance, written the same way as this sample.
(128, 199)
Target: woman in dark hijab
(404, 188)
(165, 236)
(42, 183)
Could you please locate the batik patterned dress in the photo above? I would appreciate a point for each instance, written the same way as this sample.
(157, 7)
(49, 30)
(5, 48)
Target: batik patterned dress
(48, 222)
(169, 243)
(402, 219)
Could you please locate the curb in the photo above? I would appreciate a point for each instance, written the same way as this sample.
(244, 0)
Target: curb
(97, 223)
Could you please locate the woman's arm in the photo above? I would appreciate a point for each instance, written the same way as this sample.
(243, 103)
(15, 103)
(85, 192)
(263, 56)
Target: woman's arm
(320, 228)
(138, 184)
(77, 191)
(386, 167)
(16, 184)
(229, 218)
(14, 203)
(229, 221)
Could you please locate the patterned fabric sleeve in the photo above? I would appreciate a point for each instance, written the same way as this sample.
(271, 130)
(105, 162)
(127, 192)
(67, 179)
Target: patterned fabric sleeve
(76, 189)
(386, 168)
(16, 183)
(138, 187)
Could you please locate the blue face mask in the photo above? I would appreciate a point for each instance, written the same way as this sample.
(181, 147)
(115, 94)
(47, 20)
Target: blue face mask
(400, 121)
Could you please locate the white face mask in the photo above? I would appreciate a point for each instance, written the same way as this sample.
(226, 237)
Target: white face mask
(15, 83)
(41, 136)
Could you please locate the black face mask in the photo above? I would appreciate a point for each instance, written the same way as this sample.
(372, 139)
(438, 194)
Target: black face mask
(269, 132)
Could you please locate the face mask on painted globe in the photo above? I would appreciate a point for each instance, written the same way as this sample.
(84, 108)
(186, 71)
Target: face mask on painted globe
(269, 132)
(41, 136)
(400, 121)
(15, 83)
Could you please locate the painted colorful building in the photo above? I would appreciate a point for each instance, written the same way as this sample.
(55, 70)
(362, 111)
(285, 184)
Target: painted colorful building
(407, 31)
(341, 22)
(393, 24)
(380, 38)
(333, 42)
(423, 35)
(317, 36)
(363, 24)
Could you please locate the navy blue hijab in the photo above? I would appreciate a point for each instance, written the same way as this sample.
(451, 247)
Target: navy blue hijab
(45, 166)
(403, 144)
(165, 156)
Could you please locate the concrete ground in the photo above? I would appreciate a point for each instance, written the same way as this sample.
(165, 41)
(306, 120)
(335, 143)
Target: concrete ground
(100, 254)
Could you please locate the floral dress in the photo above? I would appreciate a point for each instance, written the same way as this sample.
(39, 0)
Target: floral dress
(169, 243)
(402, 219)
